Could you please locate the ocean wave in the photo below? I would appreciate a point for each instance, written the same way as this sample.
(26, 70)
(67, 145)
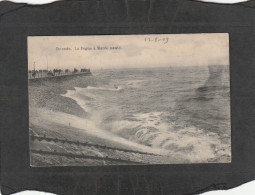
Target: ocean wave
(191, 128)
(109, 88)
(90, 127)
(190, 143)
(208, 106)
(72, 94)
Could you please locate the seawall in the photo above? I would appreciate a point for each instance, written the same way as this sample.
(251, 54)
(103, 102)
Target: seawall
(47, 92)
(61, 77)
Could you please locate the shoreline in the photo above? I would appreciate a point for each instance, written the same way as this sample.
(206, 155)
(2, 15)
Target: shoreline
(47, 145)
(51, 114)
(48, 93)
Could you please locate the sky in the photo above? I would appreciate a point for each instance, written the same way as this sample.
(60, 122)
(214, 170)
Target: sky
(128, 51)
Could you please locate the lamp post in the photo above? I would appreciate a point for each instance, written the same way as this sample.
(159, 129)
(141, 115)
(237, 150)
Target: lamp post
(34, 69)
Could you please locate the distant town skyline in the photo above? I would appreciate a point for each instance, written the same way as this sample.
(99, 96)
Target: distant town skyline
(127, 51)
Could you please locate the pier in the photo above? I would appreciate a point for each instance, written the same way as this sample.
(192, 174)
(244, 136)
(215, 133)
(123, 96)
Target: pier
(36, 74)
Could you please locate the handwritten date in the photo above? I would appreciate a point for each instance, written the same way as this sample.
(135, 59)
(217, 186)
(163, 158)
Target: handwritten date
(156, 39)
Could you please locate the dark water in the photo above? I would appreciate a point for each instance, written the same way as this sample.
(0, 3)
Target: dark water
(185, 111)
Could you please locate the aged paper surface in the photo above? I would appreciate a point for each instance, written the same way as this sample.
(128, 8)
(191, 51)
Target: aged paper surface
(129, 99)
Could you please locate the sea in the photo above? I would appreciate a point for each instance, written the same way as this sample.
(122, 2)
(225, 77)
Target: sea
(183, 111)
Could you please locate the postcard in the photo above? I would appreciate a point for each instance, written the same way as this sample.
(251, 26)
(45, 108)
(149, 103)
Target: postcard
(129, 99)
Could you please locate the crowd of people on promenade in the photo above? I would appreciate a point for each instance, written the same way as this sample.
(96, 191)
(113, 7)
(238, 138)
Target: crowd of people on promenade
(55, 72)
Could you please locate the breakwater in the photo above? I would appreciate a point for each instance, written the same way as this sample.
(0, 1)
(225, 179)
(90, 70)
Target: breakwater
(60, 77)
(51, 139)
(46, 92)
(73, 156)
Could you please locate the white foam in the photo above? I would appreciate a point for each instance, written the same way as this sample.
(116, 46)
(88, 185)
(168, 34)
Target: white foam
(72, 94)
(108, 88)
(190, 143)
(89, 127)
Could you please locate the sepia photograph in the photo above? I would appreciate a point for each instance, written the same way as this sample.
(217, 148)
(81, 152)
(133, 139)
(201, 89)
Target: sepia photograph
(129, 99)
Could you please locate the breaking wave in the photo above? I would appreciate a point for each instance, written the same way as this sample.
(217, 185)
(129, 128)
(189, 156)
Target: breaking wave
(193, 123)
